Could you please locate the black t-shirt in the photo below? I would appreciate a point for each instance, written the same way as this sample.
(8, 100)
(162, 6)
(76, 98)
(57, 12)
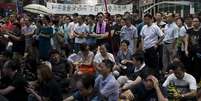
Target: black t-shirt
(194, 39)
(142, 73)
(51, 90)
(19, 46)
(60, 69)
(19, 94)
(142, 94)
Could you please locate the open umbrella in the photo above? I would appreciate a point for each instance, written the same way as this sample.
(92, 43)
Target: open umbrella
(38, 9)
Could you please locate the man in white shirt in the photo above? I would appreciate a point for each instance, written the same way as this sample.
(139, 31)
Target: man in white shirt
(169, 42)
(185, 84)
(80, 33)
(103, 54)
(151, 38)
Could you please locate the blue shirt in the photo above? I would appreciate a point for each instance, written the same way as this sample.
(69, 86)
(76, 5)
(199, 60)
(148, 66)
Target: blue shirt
(129, 34)
(108, 87)
(78, 97)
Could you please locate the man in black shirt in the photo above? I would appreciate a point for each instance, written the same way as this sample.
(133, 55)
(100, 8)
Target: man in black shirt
(194, 48)
(13, 82)
(149, 90)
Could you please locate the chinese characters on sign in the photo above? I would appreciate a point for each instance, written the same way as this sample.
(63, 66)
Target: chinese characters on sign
(85, 9)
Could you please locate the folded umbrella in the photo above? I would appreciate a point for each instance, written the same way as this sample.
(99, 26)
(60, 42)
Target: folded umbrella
(38, 9)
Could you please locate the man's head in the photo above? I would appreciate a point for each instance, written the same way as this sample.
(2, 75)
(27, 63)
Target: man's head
(118, 18)
(180, 21)
(138, 58)
(196, 22)
(27, 21)
(158, 16)
(75, 16)
(105, 67)
(179, 70)
(149, 81)
(128, 20)
(55, 56)
(188, 20)
(80, 19)
(103, 50)
(84, 48)
(100, 17)
(148, 18)
(124, 45)
(91, 19)
(85, 85)
(9, 68)
(67, 19)
(170, 17)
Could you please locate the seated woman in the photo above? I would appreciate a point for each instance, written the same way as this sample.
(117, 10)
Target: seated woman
(86, 59)
(124, 58)
(48, 88)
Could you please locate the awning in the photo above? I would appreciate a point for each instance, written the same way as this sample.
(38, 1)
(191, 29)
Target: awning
(7, 6)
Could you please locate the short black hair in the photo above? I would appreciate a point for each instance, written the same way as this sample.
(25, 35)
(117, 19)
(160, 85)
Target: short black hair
(83, 47)
(87, 80)
(91, 17)
(108, 63)
(139, 56)
(100, 13)
(148, 15)
(125, 41)
(118, 15)
(75, 15)
(11, 64)
(197, 18)
(54, 51)
(47, 18)
(178, 64)
(182, 20)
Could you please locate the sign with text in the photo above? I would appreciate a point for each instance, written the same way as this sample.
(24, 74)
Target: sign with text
(84, 9)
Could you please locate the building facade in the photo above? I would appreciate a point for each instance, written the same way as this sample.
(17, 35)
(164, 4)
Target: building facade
(196, 4)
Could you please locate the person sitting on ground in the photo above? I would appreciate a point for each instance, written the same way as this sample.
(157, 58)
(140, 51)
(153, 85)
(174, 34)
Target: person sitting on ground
(105, 83)
(86, 92)
(184, 84)
(86, 62)
(102, 54)
(136, 74)
(48, 88)
(148, 90)
(12, 82)
(60, 68)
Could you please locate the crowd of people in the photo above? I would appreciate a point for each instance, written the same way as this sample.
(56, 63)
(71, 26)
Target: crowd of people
(100, 57)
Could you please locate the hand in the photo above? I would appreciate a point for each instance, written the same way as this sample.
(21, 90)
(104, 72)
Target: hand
(128, 95)
(186, 53)
(29, 90)
(124, 61)
(155, 82)
(156, 46)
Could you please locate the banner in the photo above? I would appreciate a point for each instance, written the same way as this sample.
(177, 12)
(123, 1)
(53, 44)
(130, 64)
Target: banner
(84, 9)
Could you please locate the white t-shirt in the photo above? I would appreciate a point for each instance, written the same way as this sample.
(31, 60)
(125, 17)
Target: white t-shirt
(99, 58)
(187, 81)
(150, 34)
(80, 29)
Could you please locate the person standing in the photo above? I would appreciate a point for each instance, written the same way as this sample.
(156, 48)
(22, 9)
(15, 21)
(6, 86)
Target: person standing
(169, 42)
(80, 33)
(152, 36)
(194, 48)
(129, 33)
